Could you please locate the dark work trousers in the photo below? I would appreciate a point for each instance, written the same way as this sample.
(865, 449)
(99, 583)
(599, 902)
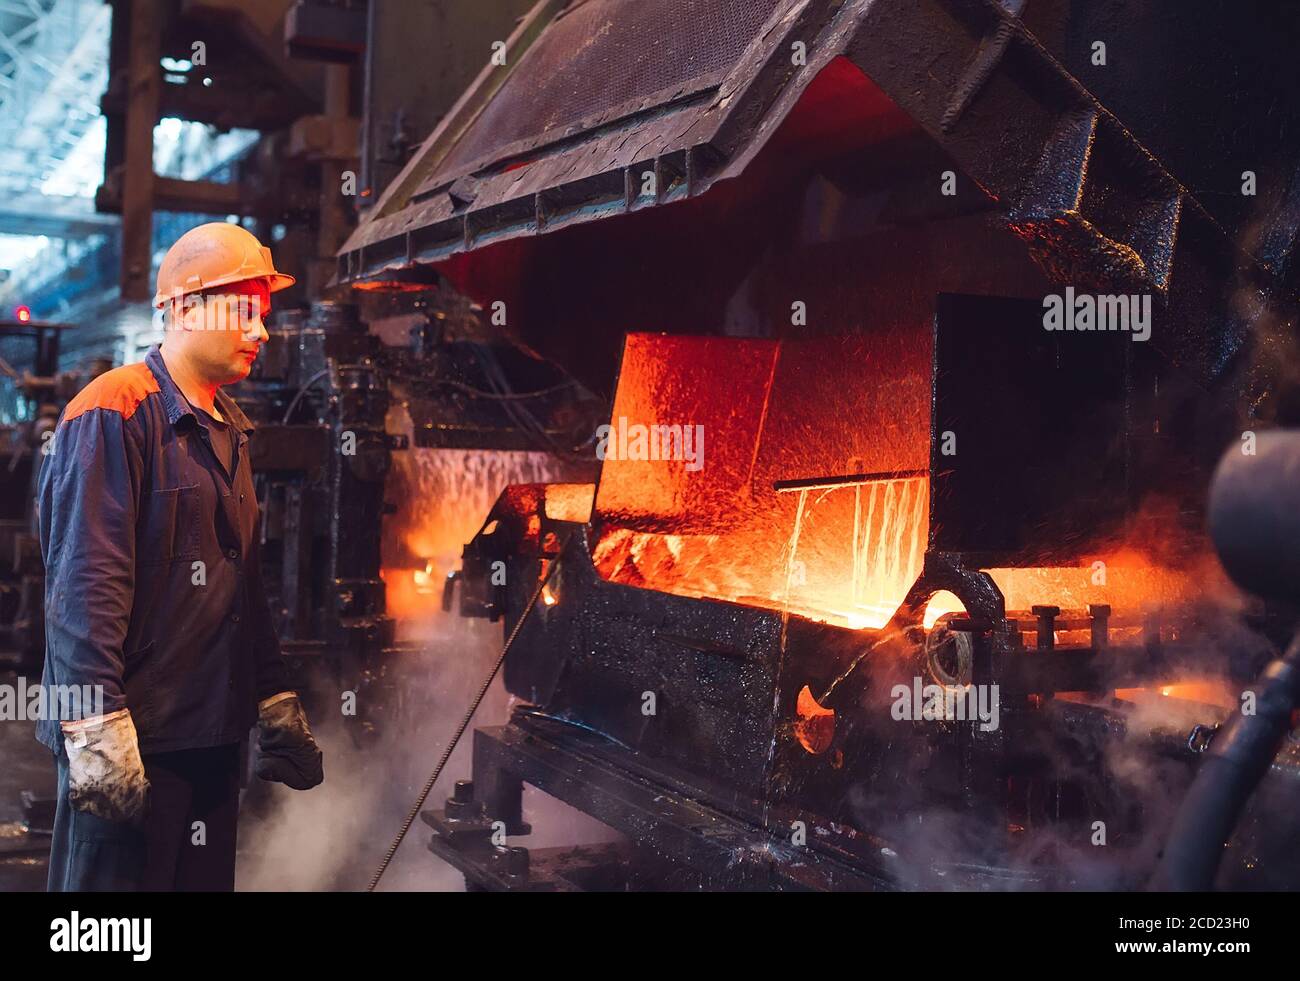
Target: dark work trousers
(168, 851)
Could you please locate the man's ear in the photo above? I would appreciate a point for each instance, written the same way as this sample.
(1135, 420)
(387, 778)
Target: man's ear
(184, 309)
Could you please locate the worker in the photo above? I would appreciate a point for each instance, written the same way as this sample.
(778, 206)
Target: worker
(149, 530)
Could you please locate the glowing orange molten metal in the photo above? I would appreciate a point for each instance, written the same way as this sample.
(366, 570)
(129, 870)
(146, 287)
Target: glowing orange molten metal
(715, 527)
(1123, 578)
(814, 726)
(812, 494)
(445, 495)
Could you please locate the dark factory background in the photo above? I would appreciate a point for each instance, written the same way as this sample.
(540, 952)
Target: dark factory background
(817, 232)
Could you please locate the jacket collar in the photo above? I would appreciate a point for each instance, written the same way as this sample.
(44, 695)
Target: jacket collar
(178, 407)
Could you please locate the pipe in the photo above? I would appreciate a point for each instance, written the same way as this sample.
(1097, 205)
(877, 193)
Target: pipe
(1235, 763)
(1255, 524)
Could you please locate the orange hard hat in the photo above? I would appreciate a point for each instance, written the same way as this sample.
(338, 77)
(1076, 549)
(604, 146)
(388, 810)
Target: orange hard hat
(216, 254)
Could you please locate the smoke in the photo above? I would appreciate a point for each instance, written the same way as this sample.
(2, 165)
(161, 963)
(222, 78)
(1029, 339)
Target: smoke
(334, 836)
(1094, 784)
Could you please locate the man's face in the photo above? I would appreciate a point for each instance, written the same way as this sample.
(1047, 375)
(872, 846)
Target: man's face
(222, 329)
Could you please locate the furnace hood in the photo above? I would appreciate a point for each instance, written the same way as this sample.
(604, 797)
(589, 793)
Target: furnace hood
(602, 108)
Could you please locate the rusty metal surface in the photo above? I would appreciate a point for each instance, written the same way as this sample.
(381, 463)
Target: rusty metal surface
(679, 133)
(603, 60)
(1094, 206)
(447, 40)
(721, 751)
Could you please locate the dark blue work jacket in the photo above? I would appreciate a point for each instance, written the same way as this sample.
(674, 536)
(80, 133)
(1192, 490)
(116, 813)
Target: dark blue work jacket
(153, 588)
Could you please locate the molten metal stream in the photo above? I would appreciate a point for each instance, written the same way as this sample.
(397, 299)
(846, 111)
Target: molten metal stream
(848, 555)
(884, 553)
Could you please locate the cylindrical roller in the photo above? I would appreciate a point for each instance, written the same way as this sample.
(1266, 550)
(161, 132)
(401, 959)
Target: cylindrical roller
(1255, 515)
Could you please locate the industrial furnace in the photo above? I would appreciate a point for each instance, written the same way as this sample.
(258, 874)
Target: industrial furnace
(896, 571)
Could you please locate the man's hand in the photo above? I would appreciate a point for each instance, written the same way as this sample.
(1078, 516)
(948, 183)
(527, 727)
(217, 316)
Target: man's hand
(105, 773)
(286, 751)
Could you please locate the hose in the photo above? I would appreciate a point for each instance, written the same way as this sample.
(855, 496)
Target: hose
(301, 392)
(1235, 763)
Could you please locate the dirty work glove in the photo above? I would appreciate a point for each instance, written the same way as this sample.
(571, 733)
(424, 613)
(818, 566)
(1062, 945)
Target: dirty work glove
(105, 773)
(286, 752)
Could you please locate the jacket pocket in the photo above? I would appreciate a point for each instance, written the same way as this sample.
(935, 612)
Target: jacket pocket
(170, 532)
(135, 659)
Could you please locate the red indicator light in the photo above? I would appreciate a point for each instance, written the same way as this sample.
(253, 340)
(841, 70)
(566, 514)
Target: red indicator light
(24, 314)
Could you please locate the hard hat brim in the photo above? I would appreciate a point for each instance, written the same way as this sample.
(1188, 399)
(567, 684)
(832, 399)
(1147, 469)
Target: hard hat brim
(279, 281)
(274, 283)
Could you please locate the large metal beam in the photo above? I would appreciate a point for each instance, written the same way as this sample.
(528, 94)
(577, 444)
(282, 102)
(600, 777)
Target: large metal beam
(173, 194)
(143, 84)
(52, 217)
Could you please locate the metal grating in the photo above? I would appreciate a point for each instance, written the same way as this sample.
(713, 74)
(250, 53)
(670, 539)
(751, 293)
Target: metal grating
(606, 54)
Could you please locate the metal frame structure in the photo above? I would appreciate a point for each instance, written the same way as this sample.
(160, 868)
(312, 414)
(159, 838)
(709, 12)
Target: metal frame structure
(1092, 203)
(53, 63)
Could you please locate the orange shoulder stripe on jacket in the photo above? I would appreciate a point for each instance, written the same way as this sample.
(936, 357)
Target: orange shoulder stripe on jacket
(121, 390)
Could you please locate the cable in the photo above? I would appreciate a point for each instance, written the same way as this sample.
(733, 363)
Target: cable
(301, 392)
(521, 418)
(479, 393)
(464, 723)
(1236, 762)
(519, 414)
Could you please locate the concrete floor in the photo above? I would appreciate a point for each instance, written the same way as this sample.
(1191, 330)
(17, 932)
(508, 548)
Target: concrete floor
(24, 765)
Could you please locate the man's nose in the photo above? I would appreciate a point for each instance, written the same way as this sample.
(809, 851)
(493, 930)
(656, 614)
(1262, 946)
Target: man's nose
(257, 330)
